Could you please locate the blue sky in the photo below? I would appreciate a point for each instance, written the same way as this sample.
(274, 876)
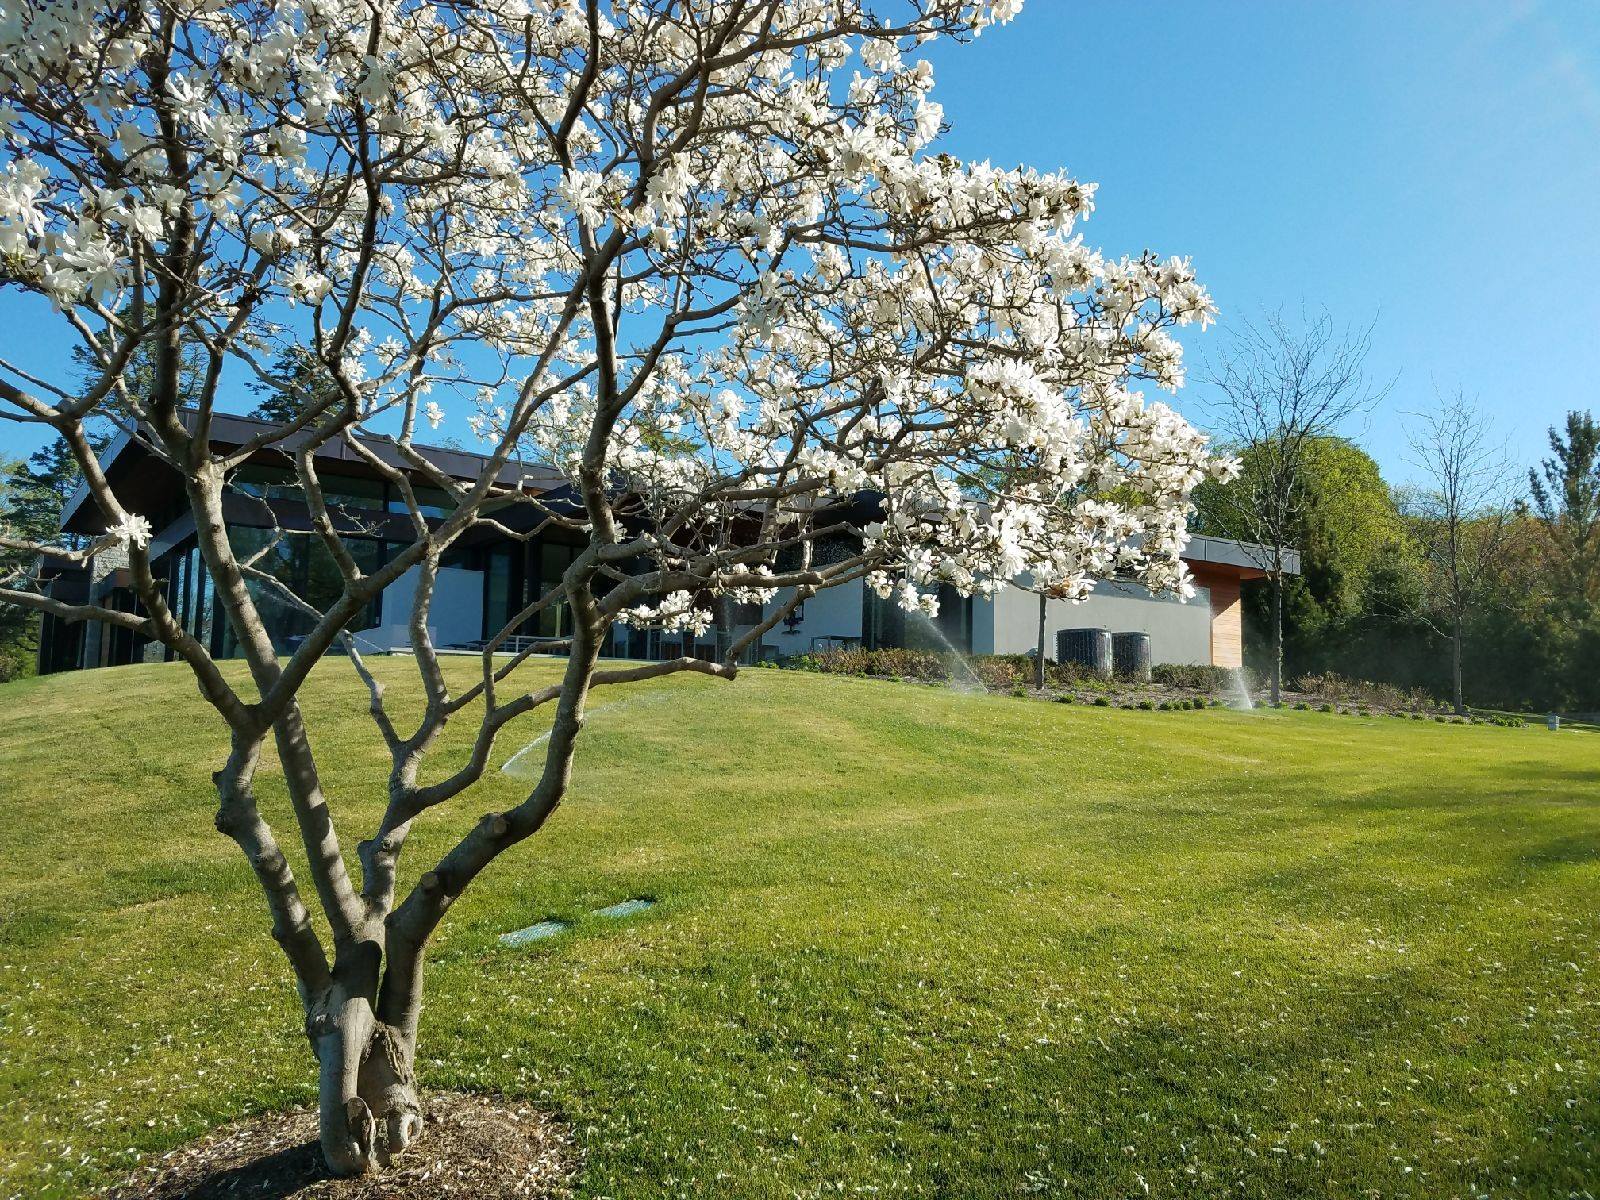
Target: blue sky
(1431, 163)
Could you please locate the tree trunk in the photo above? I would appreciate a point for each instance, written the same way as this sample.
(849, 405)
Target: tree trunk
(1277, 640)
(1038, 664)
(1455, 667)
(370, 1109)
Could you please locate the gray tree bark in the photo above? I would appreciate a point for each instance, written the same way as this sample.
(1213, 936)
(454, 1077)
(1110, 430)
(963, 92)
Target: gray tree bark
(1457, 692)
(1038, 662)
(1276, 685)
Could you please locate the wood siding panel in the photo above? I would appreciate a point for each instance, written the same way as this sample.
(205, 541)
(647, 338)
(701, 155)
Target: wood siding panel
(1227, 618)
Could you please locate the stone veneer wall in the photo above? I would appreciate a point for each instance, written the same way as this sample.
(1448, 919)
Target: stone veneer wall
(95, 633)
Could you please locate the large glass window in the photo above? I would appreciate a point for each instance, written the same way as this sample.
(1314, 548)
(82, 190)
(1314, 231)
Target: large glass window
(205, 596)
(266, 483)
(888, 624)
(177, 583)
(190, 594)
(323, 583)
(344, 492)
(282, 620)
(497, 600)
(554, 559)
(303, 564)
(434, 502)
(281, 483)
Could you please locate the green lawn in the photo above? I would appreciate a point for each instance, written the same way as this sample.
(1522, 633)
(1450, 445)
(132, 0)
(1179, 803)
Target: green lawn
(909, 943)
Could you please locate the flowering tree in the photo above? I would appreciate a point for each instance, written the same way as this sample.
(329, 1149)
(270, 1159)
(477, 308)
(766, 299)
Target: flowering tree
(698, 257)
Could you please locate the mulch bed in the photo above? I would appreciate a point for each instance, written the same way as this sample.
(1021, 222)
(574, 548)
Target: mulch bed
(471, 1148)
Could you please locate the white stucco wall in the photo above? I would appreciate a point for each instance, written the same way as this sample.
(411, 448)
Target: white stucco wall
(1179, 632)
(1008, 624)
(832, 613)
(456, 615)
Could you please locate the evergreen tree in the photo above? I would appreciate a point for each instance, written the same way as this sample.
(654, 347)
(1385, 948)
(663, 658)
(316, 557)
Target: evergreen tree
(33, 494)
(298, 378)
(139, 374)
(1566, 498)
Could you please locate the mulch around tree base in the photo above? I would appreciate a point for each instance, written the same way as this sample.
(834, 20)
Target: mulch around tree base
(471, 1148)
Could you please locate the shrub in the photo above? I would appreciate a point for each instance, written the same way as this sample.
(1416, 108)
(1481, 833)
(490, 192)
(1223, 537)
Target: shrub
(902, 663)
(1362, 692)
(17, 661)
(1065, 698)
(1197, 676)
(1002, 672)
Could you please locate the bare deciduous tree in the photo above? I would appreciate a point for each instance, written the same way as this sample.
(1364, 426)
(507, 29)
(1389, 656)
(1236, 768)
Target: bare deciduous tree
(1459, 516)
(1277, 387)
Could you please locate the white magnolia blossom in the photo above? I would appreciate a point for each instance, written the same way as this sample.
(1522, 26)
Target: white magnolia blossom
(809, 300)
(677, 611)
(132, 530)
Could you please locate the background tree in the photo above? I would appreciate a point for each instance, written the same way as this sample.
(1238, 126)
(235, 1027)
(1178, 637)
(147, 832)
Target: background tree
(295, 382)
(1351, 532)
(1371, 599)
(18, 642)
(39, 488)
(1529, 652)
(1276, 388)
(1042, 649)
(1355, 561)
(1565, 491)
(135, 378)
(33, 494)
(699, 260)
(1459, 515)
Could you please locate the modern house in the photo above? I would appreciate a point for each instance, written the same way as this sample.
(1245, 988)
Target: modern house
(1208, 628)
(491, 575)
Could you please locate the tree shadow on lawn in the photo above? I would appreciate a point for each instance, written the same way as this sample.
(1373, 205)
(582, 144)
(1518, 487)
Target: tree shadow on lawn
(274, 1177)
(476, 1146)
(1412, 881)
(1342, 1091)
(1564, 850)
(1431, 847)
(1283, 1082)
(1548, 776)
